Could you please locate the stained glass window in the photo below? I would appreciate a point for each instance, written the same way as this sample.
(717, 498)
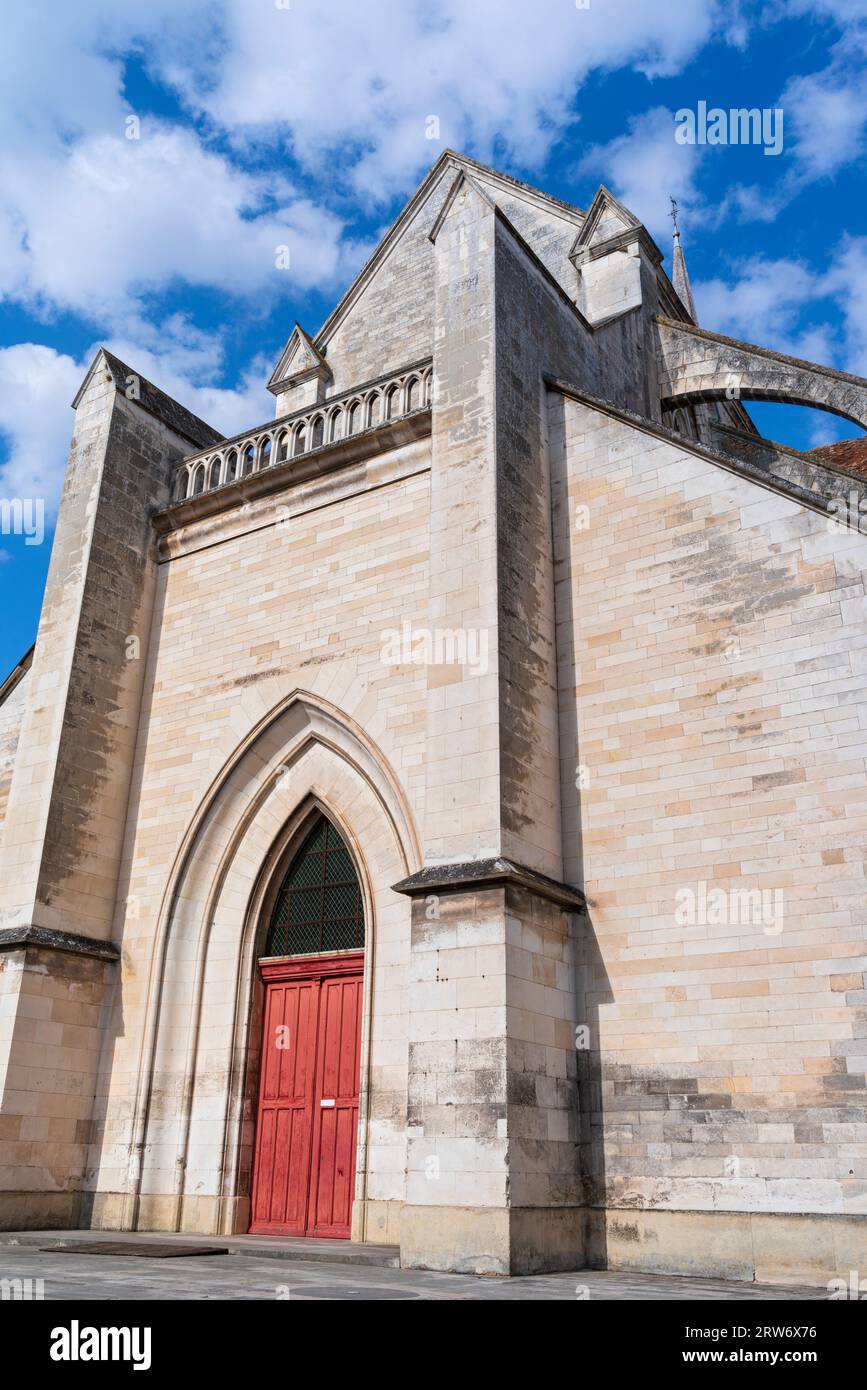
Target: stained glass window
(318, 907)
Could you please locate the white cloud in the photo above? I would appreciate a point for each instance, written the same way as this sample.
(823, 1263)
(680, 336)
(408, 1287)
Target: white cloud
(356, 83)
(184, 362)
(37, 385)
(93, 222)
(846, 282)
(763, 303)
(100, 224)
(646, 167)
(825, 111)
(785, 304)
(824, 129)
(842, 12)
(96, 224)
(828, 430)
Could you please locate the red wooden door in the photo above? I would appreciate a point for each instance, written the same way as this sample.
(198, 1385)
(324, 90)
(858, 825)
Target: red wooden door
(285, 1122)
(304, 1169)
(335, 1117)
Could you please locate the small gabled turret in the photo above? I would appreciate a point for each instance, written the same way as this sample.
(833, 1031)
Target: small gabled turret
(301, 376)
(608, 254)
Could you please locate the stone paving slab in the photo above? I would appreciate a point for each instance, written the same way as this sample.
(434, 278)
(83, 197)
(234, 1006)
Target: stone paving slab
(265, 1247)
(250, 1278)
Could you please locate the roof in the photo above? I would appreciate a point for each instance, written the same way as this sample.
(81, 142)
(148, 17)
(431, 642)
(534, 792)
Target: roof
(458, 162)
(848, 454)
(151, 399)
(16, 674)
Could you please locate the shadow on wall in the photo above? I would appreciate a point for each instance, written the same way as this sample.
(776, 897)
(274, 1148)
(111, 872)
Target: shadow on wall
(592, 986)
(114, 1026)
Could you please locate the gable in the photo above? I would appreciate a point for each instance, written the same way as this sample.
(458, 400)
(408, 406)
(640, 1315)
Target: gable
(607, 221)
(385, 319)
(548, 228)
(300, 355)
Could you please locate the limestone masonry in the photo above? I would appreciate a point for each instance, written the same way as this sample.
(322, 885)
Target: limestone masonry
(572, 662)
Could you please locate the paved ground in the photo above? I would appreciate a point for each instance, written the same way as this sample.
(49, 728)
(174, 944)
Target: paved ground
(244, 1276)
(348, 1252)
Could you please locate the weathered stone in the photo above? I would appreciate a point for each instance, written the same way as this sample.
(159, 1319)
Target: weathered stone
(511, 591)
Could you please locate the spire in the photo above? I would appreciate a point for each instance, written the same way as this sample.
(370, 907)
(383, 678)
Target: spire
(679, 274)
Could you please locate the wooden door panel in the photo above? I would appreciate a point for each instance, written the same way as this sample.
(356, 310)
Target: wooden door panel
(304, 1162)
(334, 1137)
(285, 1120)
(336, 1175)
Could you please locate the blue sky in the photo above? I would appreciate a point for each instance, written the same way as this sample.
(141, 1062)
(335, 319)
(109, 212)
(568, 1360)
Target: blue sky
(305, 123)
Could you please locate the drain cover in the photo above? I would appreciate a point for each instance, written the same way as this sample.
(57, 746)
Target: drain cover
(150, 1250)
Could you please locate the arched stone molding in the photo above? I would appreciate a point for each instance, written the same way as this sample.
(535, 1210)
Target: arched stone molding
(695, 365)
(194, 1118)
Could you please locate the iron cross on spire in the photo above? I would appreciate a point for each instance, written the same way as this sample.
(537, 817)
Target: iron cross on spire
(673, 216)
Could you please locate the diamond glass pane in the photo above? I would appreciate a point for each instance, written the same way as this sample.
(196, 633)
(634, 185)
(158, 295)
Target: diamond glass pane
(338, 867)
(308, 872)
(318, 907)
(317, 838)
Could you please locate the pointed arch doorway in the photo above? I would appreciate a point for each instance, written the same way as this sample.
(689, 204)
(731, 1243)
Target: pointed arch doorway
(312, 972)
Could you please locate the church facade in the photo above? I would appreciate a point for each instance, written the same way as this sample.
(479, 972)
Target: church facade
(436, 816)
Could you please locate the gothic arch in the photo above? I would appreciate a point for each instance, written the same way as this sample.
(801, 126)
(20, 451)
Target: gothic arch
(695, 365)
(193, 1132)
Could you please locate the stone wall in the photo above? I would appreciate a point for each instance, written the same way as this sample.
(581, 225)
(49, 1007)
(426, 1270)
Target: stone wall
(668, 712)
(69, 793)
(11, 715)
(51, 1021)
(492, 1159)
(712, 641)
(390, 322)
(304, 598)
(68, 796)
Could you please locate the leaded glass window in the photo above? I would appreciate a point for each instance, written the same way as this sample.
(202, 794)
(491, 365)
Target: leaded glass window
(318, 907)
